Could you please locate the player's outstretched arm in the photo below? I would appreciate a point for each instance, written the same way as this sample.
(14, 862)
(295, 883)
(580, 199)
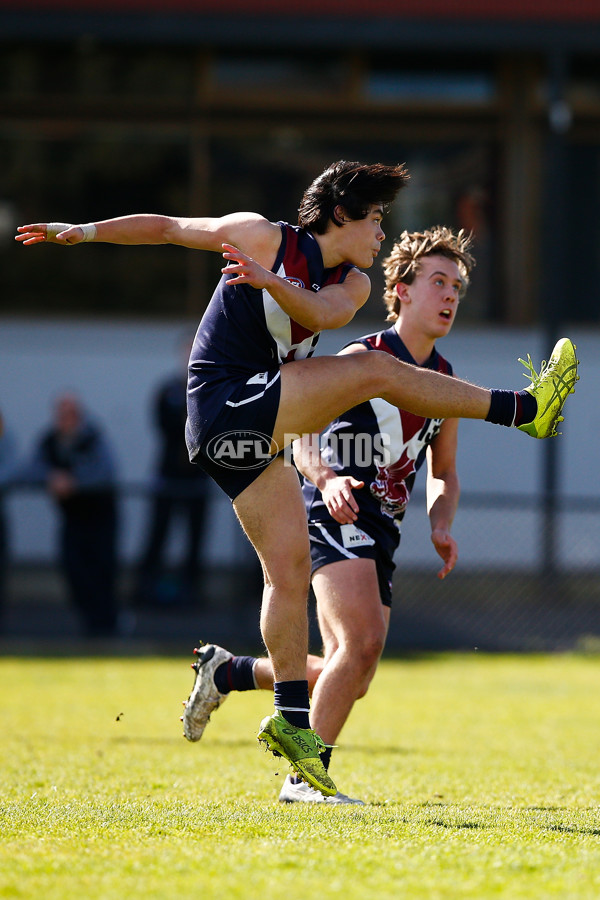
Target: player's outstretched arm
(249, 231)
(138, 229)
(53, 233)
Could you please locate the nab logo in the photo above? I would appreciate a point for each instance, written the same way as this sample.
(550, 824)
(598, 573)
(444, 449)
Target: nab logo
(241, 450)
(295, 281)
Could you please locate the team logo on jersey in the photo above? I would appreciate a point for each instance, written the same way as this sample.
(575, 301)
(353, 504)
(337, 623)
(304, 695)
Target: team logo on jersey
(354, 537)
(390, 486)
(241, 450)
(295, 281)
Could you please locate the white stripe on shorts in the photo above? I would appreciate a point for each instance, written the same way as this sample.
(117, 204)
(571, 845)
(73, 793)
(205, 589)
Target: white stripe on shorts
(334, 543)
(256, 396)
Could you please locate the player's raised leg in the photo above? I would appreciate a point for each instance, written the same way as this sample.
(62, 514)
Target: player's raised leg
(551, 387)
(315, 391)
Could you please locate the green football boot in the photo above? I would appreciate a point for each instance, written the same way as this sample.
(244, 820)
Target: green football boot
(302, 747)
(556, 380)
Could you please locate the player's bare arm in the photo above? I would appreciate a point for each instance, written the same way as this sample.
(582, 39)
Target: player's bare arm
(333, 306)
(339, 498)
(248, 232)
(137, 229)
(443, 492)
(337, 490)
(251, 232)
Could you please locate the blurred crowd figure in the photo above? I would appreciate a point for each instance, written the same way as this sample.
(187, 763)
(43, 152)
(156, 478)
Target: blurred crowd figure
(180, 492)
(472, 211)
(8, 465)
(74, 461)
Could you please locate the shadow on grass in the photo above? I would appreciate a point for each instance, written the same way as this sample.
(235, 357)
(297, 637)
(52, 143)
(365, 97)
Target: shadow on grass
(546, 808)
(558, 827)
(377, 751)
(245, 742)
(439, 823)
(572, 829)
(157, 741)
(564, 829)
(140, 739)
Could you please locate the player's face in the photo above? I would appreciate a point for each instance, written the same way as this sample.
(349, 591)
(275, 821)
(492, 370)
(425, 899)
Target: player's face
(434, 295)
(363, 237)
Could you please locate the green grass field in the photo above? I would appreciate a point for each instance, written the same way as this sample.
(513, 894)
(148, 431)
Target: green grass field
(481, 776)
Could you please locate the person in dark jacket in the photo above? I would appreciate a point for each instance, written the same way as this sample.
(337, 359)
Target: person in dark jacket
(180, 492)
(74, 460)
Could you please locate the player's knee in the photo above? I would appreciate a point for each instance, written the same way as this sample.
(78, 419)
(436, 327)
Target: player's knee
(379, 372)
(290, 573)
(363, 689)
(366, 682)
(385, 364)
(368, 651)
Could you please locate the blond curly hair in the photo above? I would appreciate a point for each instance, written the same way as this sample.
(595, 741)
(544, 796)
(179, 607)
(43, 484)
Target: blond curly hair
(404, 262)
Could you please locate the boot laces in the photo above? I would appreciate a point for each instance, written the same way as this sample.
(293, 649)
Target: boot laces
(531, 374)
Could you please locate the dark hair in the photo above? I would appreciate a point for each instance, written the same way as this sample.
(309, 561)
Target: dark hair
(352, 185)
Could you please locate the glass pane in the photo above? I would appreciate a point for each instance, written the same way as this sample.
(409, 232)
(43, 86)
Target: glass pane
(285, 74)
(450, 185)
(385, 85)
(107, 173)
(582, 241)
(88, 70)
(585, 81)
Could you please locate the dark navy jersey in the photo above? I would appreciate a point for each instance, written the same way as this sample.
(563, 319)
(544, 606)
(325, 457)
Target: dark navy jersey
(383, 446)
(244, 331)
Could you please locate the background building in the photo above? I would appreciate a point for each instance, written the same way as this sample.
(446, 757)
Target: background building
(192, 107)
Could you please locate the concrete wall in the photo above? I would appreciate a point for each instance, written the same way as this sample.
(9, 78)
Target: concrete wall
(115, 366)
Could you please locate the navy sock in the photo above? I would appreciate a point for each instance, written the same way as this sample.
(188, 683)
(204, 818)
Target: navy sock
(326, 757)
(291, 698)
(511, 408)
(526, 408)
(235, 675)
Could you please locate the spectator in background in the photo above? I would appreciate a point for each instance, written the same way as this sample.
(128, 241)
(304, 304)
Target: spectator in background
(180, 491)
(75, 462)
(472, 212)
(8, 459)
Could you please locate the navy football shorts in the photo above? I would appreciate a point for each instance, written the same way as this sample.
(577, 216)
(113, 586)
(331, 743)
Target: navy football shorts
(236, 448)
(330, 542)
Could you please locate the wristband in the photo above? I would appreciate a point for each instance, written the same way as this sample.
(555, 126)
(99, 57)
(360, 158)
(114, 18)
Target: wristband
(89, 232)
(54, 228)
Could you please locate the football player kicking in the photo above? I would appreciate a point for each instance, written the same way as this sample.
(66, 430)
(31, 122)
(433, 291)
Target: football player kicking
(251, 372)
(358, 477)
